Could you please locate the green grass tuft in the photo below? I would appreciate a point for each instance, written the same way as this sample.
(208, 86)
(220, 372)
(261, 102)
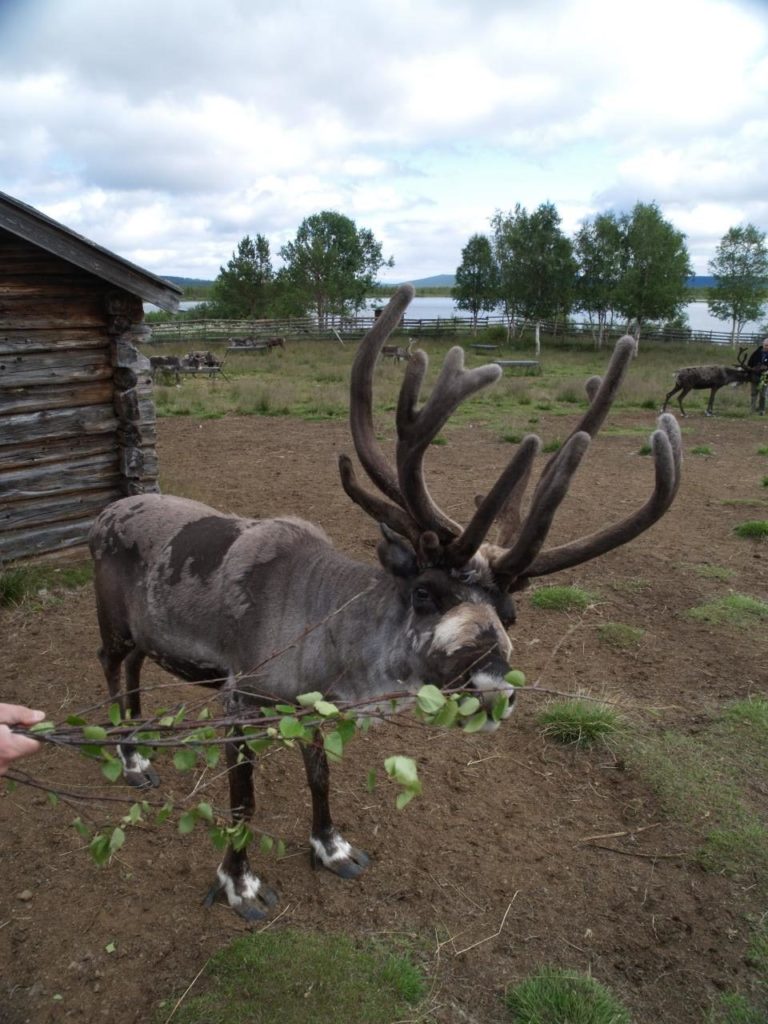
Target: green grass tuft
(713, 572)
(701, 449)
(555, 996)
(733, 610)
(21, 583)
(754, 528)
(644, 449)
(583, 722)
(618, 634)
(561, 599)
(301, 978)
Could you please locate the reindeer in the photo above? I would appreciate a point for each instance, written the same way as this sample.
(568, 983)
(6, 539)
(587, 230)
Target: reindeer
(211, 597)
(698, 378)
(163, 367)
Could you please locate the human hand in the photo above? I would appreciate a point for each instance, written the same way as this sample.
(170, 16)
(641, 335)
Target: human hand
(14, 745)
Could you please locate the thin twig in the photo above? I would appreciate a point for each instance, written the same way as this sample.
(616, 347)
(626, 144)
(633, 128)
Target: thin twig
(184, 994)
(628, 832)
(495, 934)
(634, 853)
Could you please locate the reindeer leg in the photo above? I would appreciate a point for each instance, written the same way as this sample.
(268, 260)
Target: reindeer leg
(329, 848)
(246, 894)
(711, 402)
(680, 398)
(670, 394)
(137, 769)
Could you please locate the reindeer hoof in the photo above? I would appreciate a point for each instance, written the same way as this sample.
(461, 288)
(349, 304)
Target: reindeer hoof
(138, 772)
(248, 896)
(335, 854)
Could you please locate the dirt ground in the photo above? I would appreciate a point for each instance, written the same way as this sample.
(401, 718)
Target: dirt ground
(489, 872)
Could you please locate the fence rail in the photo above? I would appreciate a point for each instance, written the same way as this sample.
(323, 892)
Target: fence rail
(352, 328)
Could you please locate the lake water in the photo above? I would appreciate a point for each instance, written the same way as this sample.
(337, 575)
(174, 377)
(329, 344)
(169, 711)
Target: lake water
(432, 307)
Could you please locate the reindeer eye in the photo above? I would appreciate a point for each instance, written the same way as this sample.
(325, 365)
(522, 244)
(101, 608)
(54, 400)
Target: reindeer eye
(422, 600)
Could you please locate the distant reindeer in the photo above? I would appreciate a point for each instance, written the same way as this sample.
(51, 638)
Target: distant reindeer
(164, 367)
(699, 378)
(267, 609)
(275, 342)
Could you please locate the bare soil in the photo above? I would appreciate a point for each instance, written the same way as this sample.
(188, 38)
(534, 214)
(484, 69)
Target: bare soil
(493, 872)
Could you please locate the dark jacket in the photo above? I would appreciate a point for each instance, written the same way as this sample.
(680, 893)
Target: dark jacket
(759, 358)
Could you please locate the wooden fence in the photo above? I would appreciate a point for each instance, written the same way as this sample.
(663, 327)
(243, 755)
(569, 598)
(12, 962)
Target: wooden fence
(201, 332)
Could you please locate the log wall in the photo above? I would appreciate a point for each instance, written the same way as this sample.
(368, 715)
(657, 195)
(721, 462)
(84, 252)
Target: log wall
(77, 420)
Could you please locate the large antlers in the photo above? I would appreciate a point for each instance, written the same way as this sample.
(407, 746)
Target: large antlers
(407, 506)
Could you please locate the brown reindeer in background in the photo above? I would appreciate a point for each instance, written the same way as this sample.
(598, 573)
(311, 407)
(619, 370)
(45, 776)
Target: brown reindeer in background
(699, 378)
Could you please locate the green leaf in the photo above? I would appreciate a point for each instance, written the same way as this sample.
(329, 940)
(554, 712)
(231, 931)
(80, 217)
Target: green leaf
(112, 769)
(187, 822)
(291, 728)
(515, 677)
(447, 715)
(75, 720)
(53, 799)
(333, 745)
(204, 811)
(116, 840)
(256, 746)
(99, 848)
(110, 947)
(430, 700)
(325, 708)
(185, 759)
(346, 728)
(285, 709)
(81, 828)
(92, 732)
(404, 798)
(266, 843)
(204, 714)
(475, 723)
(468, 706)
(133, 817)
(500, 707)
(219, 837)
(403, 770)
(164, 813)
(279, 849)
(166, 721)
(45, 727)
(114, 713)
(308, 700)
(212, 756)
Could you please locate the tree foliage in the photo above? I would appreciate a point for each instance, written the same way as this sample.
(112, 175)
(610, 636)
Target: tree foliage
(740, 268)
(477, 279)
(243, 288)
(536, 265)
(331, 265)
(656, 265)
(598, 246)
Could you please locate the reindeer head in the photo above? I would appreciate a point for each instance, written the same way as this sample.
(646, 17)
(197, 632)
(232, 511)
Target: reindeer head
(457, 588)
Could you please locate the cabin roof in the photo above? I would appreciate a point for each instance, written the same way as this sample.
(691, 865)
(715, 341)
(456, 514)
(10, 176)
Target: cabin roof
(33, 226)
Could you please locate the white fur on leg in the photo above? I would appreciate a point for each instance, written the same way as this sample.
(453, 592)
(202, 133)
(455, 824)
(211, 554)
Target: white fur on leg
(337, 849)
(248, 885)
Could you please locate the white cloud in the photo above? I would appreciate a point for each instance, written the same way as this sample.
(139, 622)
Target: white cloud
(168, 133)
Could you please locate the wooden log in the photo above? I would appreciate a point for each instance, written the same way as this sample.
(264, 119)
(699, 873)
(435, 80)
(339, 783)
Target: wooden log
(64, 339)
(53, 450)
(54, 396)
(57, 423)
(61, 509)
(60, 367)
(39, 541)
(66, 477)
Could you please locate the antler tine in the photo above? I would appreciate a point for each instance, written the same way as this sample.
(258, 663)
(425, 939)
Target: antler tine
(546, 501)
(361, 396)
(416, 428)
(382, 511)
(506, 491)
(667, 450)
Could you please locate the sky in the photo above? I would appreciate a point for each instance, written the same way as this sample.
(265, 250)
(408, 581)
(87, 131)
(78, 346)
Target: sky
(167, 131)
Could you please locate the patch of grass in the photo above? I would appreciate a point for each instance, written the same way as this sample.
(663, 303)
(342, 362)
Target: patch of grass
(552, 446)
(734, 610)
(707, 778)
(631, 585)
(763, 449)
(554, 996)
(570, 394)
(744, 503)
(512, 436)
(701, 449)
(644, 449)
(713, 572)
(753, 528)
(581, 722)
(764, 481)
(618, 634)
(561, 599)
(439, 440)
(300, 978)
(21, 583)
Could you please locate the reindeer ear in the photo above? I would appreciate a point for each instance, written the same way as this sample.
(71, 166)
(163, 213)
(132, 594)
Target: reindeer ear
(396, 554)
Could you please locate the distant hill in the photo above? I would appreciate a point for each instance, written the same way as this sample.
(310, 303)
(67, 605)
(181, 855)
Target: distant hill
(186, 282)
(436, 281)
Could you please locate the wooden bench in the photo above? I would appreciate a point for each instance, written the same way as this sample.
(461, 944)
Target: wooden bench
(484, 348)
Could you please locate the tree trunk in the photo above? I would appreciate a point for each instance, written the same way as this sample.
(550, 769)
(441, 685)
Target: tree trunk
(537, 338)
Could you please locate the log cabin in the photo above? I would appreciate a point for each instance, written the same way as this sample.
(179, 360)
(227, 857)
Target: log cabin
(77, 419)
